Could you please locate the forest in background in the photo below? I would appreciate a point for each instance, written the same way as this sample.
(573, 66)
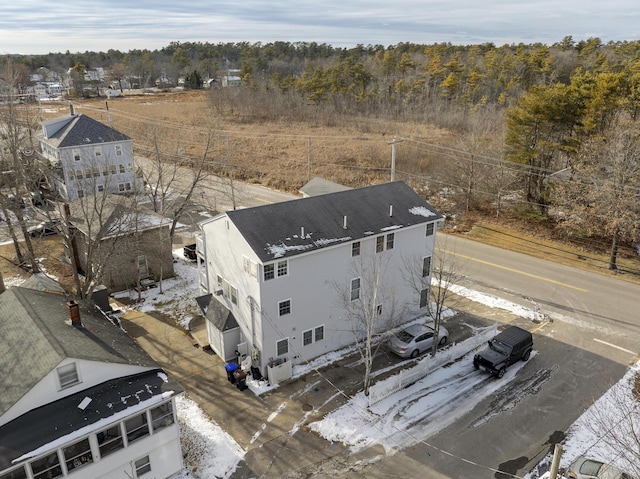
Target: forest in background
(546, 133)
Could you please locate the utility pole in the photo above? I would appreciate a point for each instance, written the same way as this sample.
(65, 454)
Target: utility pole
(309, 159)
(555, 463)
(393, 144)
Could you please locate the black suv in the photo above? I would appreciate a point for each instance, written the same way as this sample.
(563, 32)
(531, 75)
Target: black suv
(506, 348)
(189, 252)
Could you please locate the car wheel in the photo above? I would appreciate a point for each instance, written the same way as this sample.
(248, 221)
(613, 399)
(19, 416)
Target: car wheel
(414, 353)
(443, 341)
(526, 355)
(501, 373)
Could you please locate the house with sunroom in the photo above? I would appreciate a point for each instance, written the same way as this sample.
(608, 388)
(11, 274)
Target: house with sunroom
(86, 157)
(80, 398)
(274, 278)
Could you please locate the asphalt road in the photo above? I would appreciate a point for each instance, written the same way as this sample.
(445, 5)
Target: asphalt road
(588, 337)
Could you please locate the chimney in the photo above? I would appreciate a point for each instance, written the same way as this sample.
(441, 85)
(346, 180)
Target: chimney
(390, 210)
(344, 222)
(73, 311)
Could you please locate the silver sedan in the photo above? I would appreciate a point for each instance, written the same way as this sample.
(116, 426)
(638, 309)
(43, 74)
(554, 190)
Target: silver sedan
(416, 339)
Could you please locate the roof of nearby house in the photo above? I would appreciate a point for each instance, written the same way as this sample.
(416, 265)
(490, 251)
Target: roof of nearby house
(319, 186)
(37, 335)
(298, 226)
(44, 425)
(108, 215)
(79, 130)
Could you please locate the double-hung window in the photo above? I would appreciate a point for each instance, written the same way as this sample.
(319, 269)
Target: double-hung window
(424, 297)
(429, 229)
(355, 248)
(269, 271)
(282, 347)
(137, 427)
(355, 289)
(426, 266)
(283, 268)
(390, 240)
(314, 335)
(143, 465)
(284, 307)
(318, 333)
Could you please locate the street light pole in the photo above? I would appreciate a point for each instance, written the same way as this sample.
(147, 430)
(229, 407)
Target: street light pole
(393, 144)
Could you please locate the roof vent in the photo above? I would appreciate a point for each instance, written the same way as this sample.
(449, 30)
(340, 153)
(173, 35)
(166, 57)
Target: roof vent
(302, 232)
(390, 210)
(73, 311)
(71, 110)
(344, 222)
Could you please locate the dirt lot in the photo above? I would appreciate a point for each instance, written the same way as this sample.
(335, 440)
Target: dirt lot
(49, 252)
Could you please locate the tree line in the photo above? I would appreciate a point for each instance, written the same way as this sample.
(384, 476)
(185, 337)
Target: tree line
(536, 121)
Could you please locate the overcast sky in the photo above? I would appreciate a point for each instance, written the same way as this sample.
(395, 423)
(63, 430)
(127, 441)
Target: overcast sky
(39, 26)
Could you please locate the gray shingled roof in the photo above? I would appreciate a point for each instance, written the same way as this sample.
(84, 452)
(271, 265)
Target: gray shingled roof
(37, 336)
(319, 186)
(114, 215)
(298, 226)
(83, 130)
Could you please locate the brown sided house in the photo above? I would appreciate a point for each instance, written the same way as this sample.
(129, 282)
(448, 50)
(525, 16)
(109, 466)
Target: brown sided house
(124, 243)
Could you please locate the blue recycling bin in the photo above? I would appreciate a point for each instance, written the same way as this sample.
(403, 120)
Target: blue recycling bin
(230, 368)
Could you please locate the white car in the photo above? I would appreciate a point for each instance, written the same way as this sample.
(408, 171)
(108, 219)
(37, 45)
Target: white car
(416, 339)
(584, 468)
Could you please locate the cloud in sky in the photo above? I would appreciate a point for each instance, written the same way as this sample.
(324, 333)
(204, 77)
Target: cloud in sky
(37, 26)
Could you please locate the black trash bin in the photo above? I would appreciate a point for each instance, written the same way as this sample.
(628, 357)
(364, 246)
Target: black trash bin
(241, 379)
(255, 373)
(231, 368)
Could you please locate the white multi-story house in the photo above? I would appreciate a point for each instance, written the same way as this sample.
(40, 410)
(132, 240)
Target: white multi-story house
(273, 278)
(80, 398)
(87, 156)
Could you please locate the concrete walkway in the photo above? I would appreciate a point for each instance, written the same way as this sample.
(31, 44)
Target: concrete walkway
(271, 428)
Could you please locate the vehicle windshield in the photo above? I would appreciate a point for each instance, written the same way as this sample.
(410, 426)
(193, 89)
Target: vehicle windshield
(590, 468)
(500, 347)
(404, 336)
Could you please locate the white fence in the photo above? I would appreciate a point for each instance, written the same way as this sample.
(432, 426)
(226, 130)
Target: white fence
(407, 377)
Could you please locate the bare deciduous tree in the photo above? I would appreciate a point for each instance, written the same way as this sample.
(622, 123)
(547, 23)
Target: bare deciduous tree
(433, 277)
(615, 421)
(599, 196)
(370, 307)
(17, 122)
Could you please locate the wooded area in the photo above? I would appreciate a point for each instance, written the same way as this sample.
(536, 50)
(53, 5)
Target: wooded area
(545, 133)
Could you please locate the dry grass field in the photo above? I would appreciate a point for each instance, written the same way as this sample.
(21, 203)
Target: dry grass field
(286, 154)
(279, 154)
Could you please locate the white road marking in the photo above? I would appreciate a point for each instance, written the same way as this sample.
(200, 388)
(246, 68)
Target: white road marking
(614, 346)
